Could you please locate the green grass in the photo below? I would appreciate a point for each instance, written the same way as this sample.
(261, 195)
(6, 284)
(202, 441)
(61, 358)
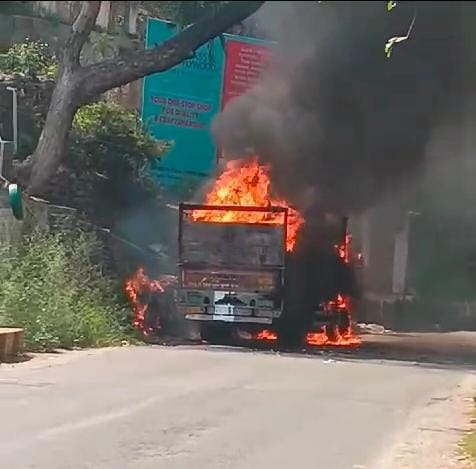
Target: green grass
(52, 287)
(469, 442)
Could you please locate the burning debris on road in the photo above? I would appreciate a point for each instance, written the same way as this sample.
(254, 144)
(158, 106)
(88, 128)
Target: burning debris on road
(334, 337)
(265, 335)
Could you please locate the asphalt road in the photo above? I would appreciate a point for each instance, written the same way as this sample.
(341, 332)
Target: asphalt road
(153, 407)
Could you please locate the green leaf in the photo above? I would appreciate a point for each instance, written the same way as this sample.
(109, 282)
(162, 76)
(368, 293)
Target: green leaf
(391, 5)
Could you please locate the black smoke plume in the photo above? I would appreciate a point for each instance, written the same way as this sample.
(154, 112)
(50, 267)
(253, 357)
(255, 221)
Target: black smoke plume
(340, 123)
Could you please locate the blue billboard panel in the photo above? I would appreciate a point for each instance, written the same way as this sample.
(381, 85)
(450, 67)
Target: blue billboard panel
(179, 105)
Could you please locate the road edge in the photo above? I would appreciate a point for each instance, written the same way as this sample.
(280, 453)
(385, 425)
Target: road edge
(433, 434)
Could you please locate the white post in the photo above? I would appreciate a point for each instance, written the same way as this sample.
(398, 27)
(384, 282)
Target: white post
(2, 153)
(14, 117)
(400, 257)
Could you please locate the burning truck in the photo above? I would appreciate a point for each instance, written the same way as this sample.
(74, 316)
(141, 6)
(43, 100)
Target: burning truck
(248, 262)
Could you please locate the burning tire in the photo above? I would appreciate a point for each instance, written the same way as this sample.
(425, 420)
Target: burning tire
(343, 322)
(339, 325)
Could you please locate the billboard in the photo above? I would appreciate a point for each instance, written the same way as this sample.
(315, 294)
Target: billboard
(179, 105)
(245, 60)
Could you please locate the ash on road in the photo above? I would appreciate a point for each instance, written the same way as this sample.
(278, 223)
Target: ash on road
(213, 408)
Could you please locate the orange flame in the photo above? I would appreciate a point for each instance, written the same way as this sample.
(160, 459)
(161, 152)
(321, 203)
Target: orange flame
(248, 184)
(343, 250)
(340, 302)
(321, 339)
(318, 339)
(347, 339)
(140, 284)
(266, 335)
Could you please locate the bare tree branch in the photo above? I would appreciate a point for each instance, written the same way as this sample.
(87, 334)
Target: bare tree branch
(80, 30)
(119, 71)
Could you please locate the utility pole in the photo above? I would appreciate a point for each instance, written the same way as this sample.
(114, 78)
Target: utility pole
(14, 117)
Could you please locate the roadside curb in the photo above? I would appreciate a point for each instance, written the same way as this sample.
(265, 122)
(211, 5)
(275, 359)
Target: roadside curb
(11, 342)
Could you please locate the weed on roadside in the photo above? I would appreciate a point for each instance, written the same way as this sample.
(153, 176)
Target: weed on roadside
(469, 442)
(52, 288)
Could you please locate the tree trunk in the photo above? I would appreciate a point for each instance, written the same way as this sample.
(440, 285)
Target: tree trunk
(52, 143)
(45, 161)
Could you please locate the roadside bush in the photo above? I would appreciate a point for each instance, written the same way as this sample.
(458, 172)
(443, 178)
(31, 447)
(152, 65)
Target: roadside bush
(31, 59)
(106, 170)
(51, 287)
(109, 139)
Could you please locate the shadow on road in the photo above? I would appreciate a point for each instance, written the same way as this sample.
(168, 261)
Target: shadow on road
(455, 350)
(25, 357)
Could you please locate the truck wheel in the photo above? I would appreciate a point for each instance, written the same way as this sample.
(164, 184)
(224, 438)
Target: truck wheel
(214, 333)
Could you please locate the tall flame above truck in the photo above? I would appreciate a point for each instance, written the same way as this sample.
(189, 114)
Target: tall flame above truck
(247, 183)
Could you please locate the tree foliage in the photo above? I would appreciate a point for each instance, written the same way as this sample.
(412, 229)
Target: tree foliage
(28, 67)
(106, 169)
(108, 152)
(30, 59)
